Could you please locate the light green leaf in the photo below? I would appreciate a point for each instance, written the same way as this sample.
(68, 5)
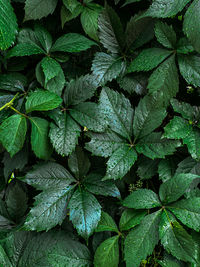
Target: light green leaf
(51, 68)
(8, 25)
(149, 114)
(107, 254)
(148, 59)
(165, 34)
(72, 42)
(177, 128)
(165, 8)
(37, 9)
(193, 143)
(174, 188)
(85, 212)
(141, 241)
(120, 162)
(104, 144)
(164, 80)
(130, 218)
(117, 111)
(191, 24)
(106, 67)
(13, 133)
(142, 199)
(188, 212)
(39, 138)
(175, 239)
(64, 134)
(153, 146)
(189, 68)
(42, 100)
(106, 223)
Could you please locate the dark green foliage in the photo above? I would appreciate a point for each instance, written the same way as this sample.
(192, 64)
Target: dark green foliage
(99, 133)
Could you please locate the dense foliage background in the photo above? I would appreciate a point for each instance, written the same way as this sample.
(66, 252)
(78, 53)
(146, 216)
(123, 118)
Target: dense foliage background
(99, 133)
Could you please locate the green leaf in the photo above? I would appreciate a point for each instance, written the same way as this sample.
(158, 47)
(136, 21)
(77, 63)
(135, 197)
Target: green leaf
(147, 168)
(117, 111)
(106, 223)
(106, 67)
(85, 212)
(142, 199)
(89, 19)
(191, 24)
(185, 109)
(184, 46)
(140, 242)
(107, 254)
(44, 37)
(189, 68)
(51, 68)
(148, 59)
(164, 80)
(167, 168)
(111, 33)
(149, 114)
(193, 144)
(64, 134)
(188, 212)
(79, 90)
(72, 42)
(4, 258)
(8, 25)
(104, 144)
(79, 163)
(127, 2)
(39, 138)
(189, 165)
(94, 184)
(153, 146)
(174, 188)
(37, 9)
(165, 34)
(169, 260)
(165, 8)
(42, 100)
(177, 128)
(66, 15)
(13, 82)
(175, 239)
(13, 133)
(130, 218)
(120, 162)
(71, 5)
(88, 115)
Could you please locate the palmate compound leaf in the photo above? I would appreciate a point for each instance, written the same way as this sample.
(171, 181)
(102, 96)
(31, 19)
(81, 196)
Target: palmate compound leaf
(153, 146)
(117, 111)
(64, 133)
(174, 188)
(13, 133)
(8, 25)
(85, 212)
(165, 34)
(107, 254)
(106, 67)
(142, 199)
(175, 239)
(191, 24)
(42, 100)
(164, 80)
(188, 212)
(120, 162)
(140, 242)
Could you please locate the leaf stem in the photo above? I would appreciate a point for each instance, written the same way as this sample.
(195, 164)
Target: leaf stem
(18, 112)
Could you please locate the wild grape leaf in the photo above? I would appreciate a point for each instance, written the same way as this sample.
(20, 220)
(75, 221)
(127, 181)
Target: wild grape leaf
(142, 199)
(175, 239)
(140, 241)
(148, 59)
(191, 24)
(13, 133)
(107, 254)
(165, 34)
(174, 188)
(37, 9)
(130, 218)
(106, 223)
(39, 138)
(42, 100)
(85, 212)
(188, 212)
(8, 25)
